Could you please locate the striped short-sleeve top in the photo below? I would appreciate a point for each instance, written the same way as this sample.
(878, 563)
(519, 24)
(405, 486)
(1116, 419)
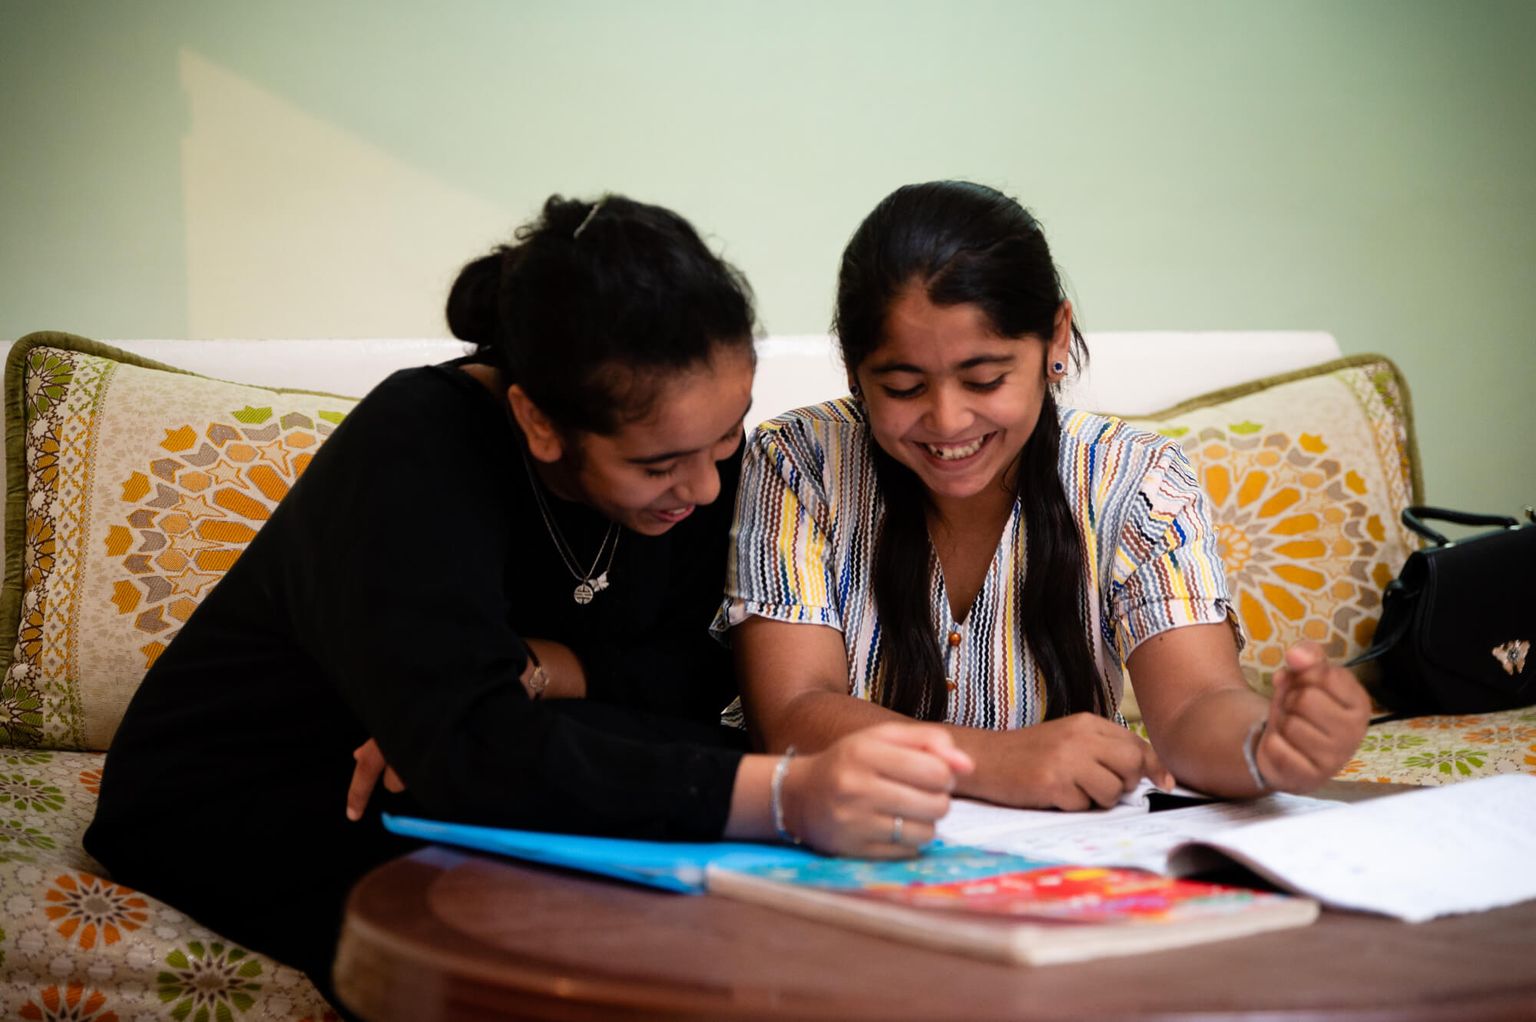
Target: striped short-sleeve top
(808, 514)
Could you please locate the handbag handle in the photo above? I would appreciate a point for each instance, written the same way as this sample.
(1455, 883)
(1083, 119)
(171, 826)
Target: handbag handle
(1414, 516)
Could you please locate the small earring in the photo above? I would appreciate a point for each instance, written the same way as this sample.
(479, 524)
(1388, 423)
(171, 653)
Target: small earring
(856, 391)
(1058, 368)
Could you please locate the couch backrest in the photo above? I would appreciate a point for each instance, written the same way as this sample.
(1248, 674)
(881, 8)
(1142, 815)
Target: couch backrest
(1129, 373)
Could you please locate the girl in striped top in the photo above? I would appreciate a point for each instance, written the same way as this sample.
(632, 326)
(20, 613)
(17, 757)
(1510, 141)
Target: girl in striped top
(948, 544)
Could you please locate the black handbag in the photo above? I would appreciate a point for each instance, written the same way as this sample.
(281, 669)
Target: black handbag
(1458, 623)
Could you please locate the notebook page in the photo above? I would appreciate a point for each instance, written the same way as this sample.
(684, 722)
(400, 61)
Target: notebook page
(977, 823)
(1124, 835)
(970, 820)
(1463, 847)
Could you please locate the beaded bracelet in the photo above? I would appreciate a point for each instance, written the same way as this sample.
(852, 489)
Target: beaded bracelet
(776, 796)
(1251, 753)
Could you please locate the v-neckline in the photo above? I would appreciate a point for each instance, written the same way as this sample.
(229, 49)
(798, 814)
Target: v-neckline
(958, 622)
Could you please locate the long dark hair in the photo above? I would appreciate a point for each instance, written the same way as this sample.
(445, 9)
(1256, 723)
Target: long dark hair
(595, 304)
(966, 243)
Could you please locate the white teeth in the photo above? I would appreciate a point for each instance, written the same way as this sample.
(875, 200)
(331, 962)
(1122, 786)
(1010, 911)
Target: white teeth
(955, 453)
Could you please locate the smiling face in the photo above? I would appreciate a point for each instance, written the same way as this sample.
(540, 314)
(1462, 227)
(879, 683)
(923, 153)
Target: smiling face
(951, 399)
(653, 472)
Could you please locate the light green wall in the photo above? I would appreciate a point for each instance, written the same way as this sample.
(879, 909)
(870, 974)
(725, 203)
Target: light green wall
(303, 168)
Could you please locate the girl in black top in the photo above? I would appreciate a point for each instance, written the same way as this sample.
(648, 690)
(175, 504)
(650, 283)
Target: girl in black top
(503, 571)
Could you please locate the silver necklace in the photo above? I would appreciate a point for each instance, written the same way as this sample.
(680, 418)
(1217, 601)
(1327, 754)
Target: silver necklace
(588, 583)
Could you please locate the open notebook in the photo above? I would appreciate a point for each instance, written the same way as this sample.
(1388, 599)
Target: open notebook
(1416, 855)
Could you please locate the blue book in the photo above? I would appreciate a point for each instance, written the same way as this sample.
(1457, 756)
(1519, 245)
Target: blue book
(670, 866)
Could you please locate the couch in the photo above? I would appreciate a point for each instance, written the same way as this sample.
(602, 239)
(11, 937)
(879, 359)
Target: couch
(132, 485)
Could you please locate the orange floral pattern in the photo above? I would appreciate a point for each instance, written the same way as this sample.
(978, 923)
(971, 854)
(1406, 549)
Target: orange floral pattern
(1440, 750)
(194, 509)
(133, 513)
(72, 1004)
(1443, 723)
(88, 908)
(1305, 479)
(1519, 733)
(1300, 543)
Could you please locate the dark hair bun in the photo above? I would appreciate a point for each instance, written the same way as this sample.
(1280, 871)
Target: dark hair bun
(592, 286)
(472, 310)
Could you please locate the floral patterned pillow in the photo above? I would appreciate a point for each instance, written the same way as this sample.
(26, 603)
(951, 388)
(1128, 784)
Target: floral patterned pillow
(133, 487)
(1307, 474)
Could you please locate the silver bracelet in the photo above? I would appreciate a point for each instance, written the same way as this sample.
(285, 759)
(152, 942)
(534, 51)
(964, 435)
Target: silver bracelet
(1251, 753)
(776, 796)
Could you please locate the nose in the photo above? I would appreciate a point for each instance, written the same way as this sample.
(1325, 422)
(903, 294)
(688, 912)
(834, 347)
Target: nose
(700, 485)
(947, 414)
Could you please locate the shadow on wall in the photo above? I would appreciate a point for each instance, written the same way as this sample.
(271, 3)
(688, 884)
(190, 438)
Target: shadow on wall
(244, 150)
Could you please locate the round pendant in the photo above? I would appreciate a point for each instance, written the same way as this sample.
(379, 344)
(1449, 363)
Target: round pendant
(583, 593)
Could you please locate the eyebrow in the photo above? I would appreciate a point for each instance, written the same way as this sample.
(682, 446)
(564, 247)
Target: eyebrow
(882, 368)
(653, 459)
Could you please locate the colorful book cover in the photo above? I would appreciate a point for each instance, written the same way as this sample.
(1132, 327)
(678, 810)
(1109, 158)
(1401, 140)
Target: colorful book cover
(960, 879)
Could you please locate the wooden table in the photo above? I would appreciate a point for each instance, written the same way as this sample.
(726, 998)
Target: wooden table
(441, 935)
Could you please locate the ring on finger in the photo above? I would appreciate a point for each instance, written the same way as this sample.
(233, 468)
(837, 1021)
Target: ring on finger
(897, 825)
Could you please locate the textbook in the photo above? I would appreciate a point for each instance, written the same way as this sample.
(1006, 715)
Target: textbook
(1417, 855)
(951, 897)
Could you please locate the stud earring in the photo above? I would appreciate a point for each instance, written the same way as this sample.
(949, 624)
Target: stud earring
(856, 391)
(1058, 368)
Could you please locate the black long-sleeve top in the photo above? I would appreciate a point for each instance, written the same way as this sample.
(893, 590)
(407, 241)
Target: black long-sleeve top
(387, 597)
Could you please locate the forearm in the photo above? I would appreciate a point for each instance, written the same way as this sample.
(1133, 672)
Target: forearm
(795, 689)
(1204, 743)
(814, 720)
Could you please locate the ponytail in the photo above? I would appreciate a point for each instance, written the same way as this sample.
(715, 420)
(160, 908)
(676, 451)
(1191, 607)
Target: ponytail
(1052, 602)
(911, 679)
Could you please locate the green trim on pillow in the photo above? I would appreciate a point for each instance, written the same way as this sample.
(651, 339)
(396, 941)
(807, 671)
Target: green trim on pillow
(15, 463)
(15, 454)
(1216, 397)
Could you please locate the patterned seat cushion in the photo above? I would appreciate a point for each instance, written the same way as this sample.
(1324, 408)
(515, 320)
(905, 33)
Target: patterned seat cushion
(1442, 750)
(74, 945)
